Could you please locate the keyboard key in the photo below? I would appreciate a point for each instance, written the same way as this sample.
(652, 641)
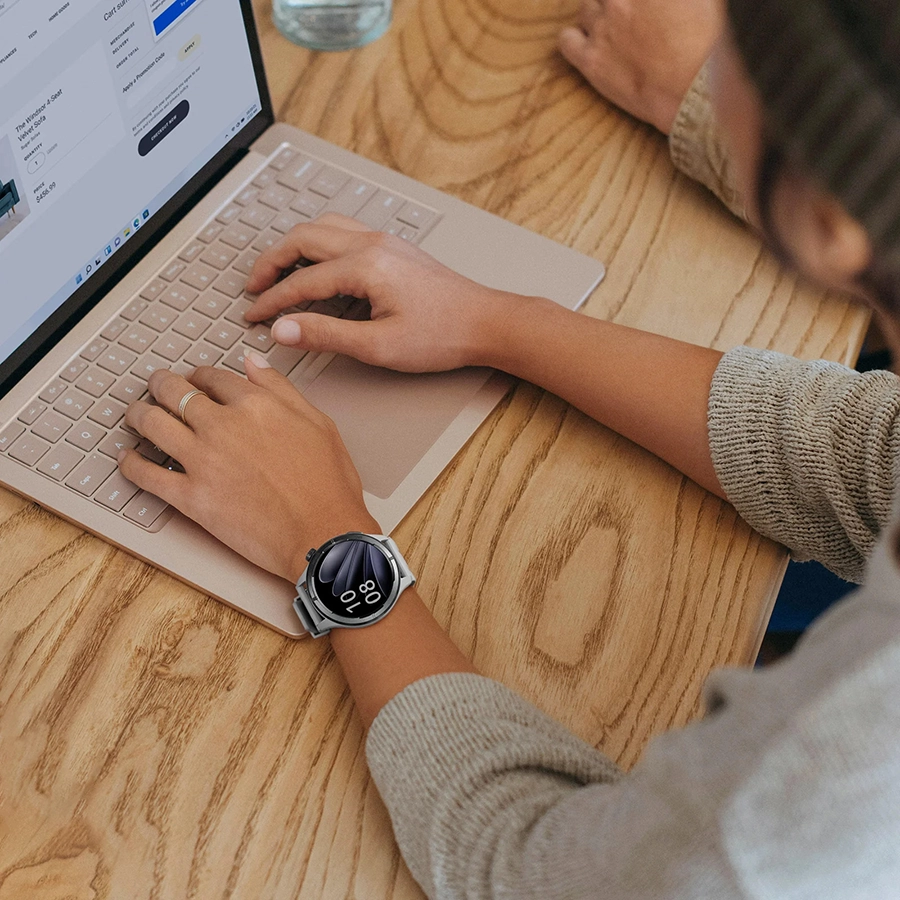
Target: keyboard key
(248, 195)
(212, 305)
(266, 178)
(171, 347)
(135, 308)
(199, 276)
(229, 214)
(128, 389)
(51, 427)
(159, 317)
(54, 390)
(236, 313)
(238, 236)
(283, 359)
(86, 435)
(223, 335)
(145, 509)
(329, 181)
(277, 197)
(282, 159)
(235, 359)
(267, 240)
(88, 476)
(60, 461)
(31, 412)
(410, 234)
(95, 382)
(231, 284)
(415, 215)
(9, 434)
(172, 271)
(257, 216)
(107, 413)
(298, 173)
(114, 329)
(191, 325)
(116, 360)
(192, 251)
(246, 261)
(73, 404)
(285, 221)
(73, 369)
(219, 256)
(117, 490)
(94, 349)
(113, 444)
(203, 355)
(382, 207)
(260, 338)
(211, 232)
(28, 449)
(147, 365)
(179, 297)
(309, 204)
(138, 338)
(153, 290)
(351, 199)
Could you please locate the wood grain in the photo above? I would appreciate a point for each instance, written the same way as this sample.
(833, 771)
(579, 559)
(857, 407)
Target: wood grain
(156, 744)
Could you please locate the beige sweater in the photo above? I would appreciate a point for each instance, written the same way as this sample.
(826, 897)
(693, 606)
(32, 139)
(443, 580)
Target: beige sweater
(788, 789)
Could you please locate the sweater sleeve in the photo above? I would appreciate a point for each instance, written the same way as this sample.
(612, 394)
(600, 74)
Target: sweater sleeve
(697, 148)
(807, 452)
(788, 789)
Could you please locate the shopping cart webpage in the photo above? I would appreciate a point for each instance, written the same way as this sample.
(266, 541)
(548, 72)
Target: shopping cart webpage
(106, 110)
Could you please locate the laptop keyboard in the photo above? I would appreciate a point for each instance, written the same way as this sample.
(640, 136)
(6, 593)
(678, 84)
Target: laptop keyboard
(191, 314)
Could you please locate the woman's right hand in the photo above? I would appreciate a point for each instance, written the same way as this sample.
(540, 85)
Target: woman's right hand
(425, 317)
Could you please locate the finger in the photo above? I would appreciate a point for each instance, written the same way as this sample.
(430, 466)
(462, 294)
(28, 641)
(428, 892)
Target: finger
(573, 44)
(346, 275)
(169, 389)
(155, 424)
(310, 241)
(164, 483)
(223, 387)
(368, 342)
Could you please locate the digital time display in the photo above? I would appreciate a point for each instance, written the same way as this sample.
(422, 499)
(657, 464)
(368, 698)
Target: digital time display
(354, 579)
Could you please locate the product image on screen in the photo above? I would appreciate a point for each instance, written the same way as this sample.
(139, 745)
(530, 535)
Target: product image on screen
(354, 579)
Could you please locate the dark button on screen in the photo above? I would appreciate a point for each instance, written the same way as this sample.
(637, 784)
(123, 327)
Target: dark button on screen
(164, 127)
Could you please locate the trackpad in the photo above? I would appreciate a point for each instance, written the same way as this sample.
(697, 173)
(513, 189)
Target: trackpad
(389, 420)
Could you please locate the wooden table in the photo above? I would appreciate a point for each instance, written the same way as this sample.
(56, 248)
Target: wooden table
(156, 744)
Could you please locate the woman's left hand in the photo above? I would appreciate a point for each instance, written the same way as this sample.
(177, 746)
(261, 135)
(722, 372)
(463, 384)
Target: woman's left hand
(264, 471)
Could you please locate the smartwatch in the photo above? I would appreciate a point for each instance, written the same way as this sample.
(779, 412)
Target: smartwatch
(351, 581)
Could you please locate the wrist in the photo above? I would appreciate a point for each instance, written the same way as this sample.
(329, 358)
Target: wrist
(511, 331)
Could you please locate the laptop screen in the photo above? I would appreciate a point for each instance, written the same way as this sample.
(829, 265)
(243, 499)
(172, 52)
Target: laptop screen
(109, 109)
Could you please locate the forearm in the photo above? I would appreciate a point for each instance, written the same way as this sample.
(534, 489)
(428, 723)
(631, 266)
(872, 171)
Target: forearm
(651, 389)
(404, 647)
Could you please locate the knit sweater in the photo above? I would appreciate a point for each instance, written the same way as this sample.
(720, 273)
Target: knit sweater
(788, 788)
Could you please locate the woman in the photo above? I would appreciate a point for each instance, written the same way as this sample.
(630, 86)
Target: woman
(790, 786)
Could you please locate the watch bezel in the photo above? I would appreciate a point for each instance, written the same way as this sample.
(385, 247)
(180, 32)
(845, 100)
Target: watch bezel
(346, 621)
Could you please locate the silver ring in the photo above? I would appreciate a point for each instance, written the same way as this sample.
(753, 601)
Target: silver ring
(184, 402)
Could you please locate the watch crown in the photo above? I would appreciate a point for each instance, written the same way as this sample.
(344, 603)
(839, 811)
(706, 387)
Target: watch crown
(311, 554)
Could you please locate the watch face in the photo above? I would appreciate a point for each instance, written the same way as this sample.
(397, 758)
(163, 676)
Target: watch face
(354, 579)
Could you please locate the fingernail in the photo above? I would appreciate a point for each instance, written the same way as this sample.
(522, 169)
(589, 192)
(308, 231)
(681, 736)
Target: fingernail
(286, 331)
(122, 455)
(259, 361)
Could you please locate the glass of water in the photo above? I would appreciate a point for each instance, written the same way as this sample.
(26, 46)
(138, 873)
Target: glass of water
(331, 24)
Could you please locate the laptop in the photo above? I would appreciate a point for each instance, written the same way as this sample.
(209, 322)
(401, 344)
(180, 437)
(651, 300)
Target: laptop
(149, 174)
